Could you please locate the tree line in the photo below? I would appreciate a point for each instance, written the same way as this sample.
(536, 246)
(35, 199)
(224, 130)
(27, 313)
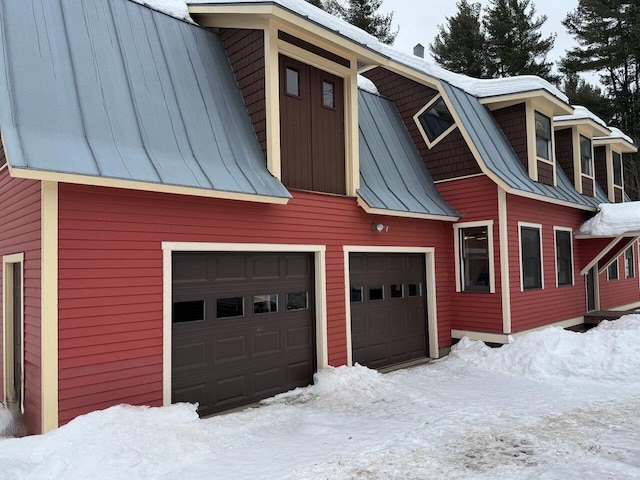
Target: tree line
(504, 39)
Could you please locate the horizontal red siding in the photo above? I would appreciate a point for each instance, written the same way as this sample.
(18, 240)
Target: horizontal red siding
(477, 197)
(20, 233)
(110, 276)
(621, 292)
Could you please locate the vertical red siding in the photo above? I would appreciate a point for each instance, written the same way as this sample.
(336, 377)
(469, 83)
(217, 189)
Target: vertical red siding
(110, 281)
(20, 233)
(477, 197)
(534, 308)
(624, 291)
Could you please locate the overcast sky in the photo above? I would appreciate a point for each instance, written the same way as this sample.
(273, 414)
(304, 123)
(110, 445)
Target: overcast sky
(419, 20)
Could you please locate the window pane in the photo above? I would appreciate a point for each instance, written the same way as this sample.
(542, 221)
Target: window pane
(396, 290)
(585, 156)
(629, 263)
(474, 246)
(617, 169)
(265, 303)
(328, 95)
(293, 82)
(531, 260)
(436, 120)
(298, 301)
(415, 289)
(356, 294)
(230, 307)
(376, 293)
(612, 270)
(543, 136)
(564, 262)
(192, 311)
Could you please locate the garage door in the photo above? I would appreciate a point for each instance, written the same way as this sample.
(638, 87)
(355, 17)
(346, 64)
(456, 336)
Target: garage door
(243, 327)
(388, 308)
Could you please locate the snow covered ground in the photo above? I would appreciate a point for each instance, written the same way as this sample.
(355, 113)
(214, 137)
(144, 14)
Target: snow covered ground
(552, 405)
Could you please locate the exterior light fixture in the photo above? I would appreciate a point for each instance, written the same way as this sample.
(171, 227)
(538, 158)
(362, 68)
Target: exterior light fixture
(378, 227)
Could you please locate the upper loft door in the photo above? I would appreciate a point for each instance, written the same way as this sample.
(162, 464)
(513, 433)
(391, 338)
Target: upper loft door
(312, 139)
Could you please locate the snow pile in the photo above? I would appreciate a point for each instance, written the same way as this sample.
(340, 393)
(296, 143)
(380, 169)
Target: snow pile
(367, 85)
(613, 219)
(609, 352)
(5, 421)
(580, 113)
(173, 8)
(617, 133)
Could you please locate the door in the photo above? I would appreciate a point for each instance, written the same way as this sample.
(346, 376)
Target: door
(13, 342)
(388, 308)
(590, 281)
(243, 327)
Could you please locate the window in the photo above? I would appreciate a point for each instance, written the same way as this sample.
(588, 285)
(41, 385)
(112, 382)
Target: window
(543, 136)
(230, 307)
(293, 82)
(612, 270)
(474, 259)
(297, 301)
(376, 293)
(531, 257)
(564, 258)
(415, 289)
(617, 169)
(265, 303)
(397, 291)
(190, 311)
(435, 120)
(356, 294)
(586, 156)
(328, 95)
(629, 263)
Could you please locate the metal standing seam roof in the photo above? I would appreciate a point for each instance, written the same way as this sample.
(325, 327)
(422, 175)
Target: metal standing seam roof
(392, 174)
(501, 160)
(113, 89)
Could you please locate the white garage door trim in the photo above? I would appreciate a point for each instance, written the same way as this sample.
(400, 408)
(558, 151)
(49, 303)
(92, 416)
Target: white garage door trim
(168, 248)
(430, 273)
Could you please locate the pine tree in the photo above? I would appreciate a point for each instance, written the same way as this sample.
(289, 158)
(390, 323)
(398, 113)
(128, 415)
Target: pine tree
(460, 45)
(590, 96)
(515, 44)
(362, 14)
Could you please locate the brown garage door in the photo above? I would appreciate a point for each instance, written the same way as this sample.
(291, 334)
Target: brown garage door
(243, 327)
(388, 308)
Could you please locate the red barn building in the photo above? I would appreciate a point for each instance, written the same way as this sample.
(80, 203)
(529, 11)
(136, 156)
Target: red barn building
(213, 212)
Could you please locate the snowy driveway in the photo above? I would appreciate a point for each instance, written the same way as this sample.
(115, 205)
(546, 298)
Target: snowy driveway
(552, 405)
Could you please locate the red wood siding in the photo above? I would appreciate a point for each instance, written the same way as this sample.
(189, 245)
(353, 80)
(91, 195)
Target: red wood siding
(600, 165)
(477, 197)
(20, 233)
(110, 285)
(245, 49)
(564, 151)
(624, 291)
(451, 157)
(513, 122)
(534, 308)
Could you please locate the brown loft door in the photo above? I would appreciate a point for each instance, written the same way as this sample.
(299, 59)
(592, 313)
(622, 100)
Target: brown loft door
(311, 128)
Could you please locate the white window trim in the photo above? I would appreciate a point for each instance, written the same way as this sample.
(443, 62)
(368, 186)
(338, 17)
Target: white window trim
(633, 263)
(9, 262)
(593, 166)
(429, 291)
(532, 107)
(444, 134)
(613, 171)
(457, 252)
(555, 251)
(539, 227)
(617, 264)
(551, 158)
(320, 281)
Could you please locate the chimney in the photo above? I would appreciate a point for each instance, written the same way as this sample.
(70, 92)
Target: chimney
(418, 50)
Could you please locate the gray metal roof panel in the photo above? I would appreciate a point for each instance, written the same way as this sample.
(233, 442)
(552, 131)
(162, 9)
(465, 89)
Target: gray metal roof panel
(392, 174)
(114, 89)
(499, 157)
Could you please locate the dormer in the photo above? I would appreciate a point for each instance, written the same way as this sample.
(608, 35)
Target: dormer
(574, 134)
(526, 119)
(609, 167)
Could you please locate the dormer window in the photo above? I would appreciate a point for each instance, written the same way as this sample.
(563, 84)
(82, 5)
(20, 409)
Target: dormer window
(434, 121)
(543, 136)
(586, 156)
(617, 169)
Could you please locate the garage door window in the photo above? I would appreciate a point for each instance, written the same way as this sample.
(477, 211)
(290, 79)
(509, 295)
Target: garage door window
(356, 294)
(397, 290)
(415, 289)
(192, 311)
(376, 293)
(265, 303)
(297, 301)
(230, 307)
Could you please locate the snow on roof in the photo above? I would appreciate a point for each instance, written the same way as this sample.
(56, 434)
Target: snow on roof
(173, 8)
(617, 133)
(367, 85)
(480, 88)
(580, 113)
(613, 219)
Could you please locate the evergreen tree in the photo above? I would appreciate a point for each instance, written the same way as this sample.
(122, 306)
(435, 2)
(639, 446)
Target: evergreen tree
(460, 45)
(362, 14)
(608, 35)
(515, 44)
(590, 96)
